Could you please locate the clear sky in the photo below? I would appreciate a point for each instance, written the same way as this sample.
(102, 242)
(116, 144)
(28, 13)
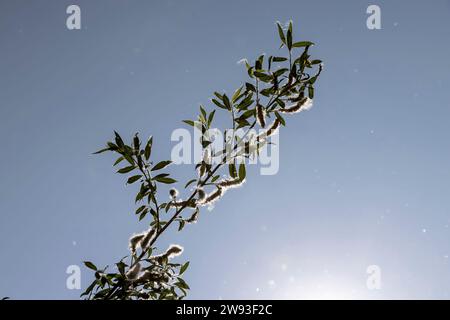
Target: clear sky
(363, 180)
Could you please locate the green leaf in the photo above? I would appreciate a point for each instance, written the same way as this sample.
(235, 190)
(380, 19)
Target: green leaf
(279, 59)
(90, 265)
(121, 267)
(250, 72)
(161, 175)
(211, 117)
(242, 172)
(134, 178)
(217, 103)
(102, 150)
(129, 159)
(236, 94)
(218, 95)
(184, 267)
(232, 170)
(289, 38)
(280, 118)
(226, 101)
(166, 180)
(111, 146)
(119, 140)
(140, 209)
(118, 161)
(303, 44)
(203, 112)
(189, 122)
(142, 215)
(136, 142)
(247, 114)
(250, 87)
(189, 183)
(311, 92)
(181, 224)
(281, 33)
(161, 165)
(279, 72)
(126, 169)
(89, 289)
(148, 148)
(263, 76)
(182, 284)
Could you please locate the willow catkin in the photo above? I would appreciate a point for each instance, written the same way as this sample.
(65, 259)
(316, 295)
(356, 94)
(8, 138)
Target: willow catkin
(158, 259)
(231, 183)
(173, 193)
(147, 276)
(201, 195)
(135, 241)
(193, 218)
(272, 129)
(180, 204)
(145, 242)
(304, 104)
(213, 196)
(261, 115)
(133, 272)
(206, 160)
(173, 251)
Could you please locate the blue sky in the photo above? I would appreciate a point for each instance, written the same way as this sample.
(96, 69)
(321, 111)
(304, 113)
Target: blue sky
(364, 175)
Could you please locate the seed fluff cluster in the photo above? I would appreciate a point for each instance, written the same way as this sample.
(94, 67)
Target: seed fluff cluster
(141, 240)
(134, 274)
(304, 104)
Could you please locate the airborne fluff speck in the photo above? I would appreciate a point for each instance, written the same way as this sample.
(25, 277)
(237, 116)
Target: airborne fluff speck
(242, 61)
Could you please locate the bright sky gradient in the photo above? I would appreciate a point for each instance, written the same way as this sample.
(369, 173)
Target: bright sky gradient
(364, 176)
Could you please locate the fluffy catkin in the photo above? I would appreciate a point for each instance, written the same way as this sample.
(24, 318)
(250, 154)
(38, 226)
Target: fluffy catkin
(173, 251)
(153, 276)
(201, 195)
(145, 242)
(179, 204)
(135, 241)
(133, 272)
(193, 218)
(147, 276)
(276, 123)
(261, 115)
(304, 104)
(173, 193)
(231, 183)
(213, 196)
